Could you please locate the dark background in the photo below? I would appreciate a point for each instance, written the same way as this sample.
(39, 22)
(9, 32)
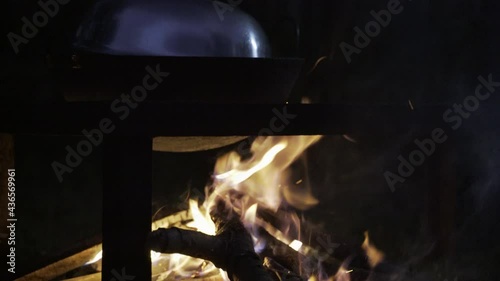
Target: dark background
(431, 53)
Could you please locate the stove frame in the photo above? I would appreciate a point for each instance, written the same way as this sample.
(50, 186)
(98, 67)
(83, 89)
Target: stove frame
(128, 150)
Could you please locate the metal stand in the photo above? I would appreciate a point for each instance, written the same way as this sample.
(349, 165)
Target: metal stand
(126, 208)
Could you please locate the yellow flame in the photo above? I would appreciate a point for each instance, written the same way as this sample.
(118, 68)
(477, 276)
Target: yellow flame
(375, 256)
(250, 216)
(237, 176)
(96, 258)
(312, 278)
(201, 222)
(246, 186)
(263, 179)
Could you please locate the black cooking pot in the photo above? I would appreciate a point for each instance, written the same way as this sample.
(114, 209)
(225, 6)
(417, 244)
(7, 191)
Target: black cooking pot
(213, 53)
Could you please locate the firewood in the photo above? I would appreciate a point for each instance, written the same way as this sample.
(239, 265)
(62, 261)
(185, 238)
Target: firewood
(230, 249)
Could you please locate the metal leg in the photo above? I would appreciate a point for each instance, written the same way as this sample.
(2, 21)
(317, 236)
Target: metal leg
(126, 208)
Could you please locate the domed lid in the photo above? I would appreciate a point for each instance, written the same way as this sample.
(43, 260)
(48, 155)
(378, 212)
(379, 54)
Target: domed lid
(178, 28)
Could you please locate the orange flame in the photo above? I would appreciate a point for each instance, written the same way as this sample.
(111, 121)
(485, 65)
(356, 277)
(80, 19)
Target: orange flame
(375, 256)
(260, 182)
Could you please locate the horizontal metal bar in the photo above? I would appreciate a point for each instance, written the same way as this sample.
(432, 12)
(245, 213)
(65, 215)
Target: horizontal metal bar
(170, 119)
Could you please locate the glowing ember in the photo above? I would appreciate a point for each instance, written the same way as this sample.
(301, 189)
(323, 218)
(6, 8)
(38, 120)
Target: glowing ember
(343, 274)
(296, 245)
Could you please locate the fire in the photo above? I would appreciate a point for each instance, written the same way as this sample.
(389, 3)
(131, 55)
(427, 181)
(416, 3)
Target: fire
(236, 176)
(259, 184)
(201, 222)
(181, 266)
(375, 256)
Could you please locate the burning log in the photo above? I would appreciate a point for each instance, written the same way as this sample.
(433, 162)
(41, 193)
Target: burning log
(230, 249)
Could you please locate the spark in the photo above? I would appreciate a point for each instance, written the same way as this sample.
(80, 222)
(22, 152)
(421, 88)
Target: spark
(317, 63)
(411, 105)
(349, 138)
